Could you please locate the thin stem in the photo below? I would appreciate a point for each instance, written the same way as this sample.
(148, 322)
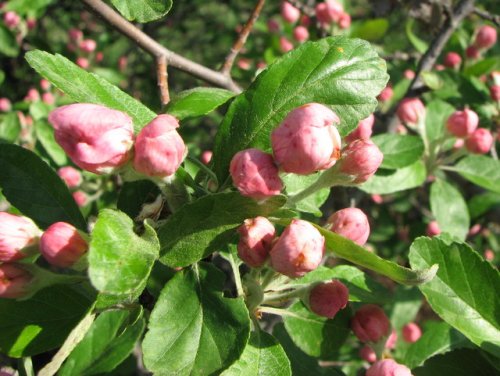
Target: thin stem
(237, 276)
(284, 296)
(278, 311)
(242, 38)
(162, 76)
(495, 18)
(203, 167)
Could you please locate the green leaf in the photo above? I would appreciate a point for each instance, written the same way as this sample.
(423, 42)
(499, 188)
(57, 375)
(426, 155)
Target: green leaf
(405, 306)
(45, 135)
(344, 74)
(449, 208)
(371, 30)
(481, 170)
(202, 227)
(115, 246)
(385, 182)
(198, 102)
(39, 110)
(295, 183)
(419, 44)
(43, 322)
(2, 76)
(263, 355)
(27, 6)
(315, 335)
(133, 195)
(480, 204)
(484, 66)
(193, 329)
(35, 189)
(109, 341)
(436, 114)
(432, 80)
(10, 127)
(399, 150)
(8, 43)
(86, 87)
(361, 287)
(464, 292)
(143, 10)
(438, 338)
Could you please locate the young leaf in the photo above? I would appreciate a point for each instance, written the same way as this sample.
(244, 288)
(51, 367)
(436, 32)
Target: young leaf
(35, 189)
(143, 10)
(437, 112)
(399, 150)
(193, 329)
(344, 74)
(480, 204)
(8, 45)
(405, 306)
(45, 135)
(10, 127)
(481, 170)
(464, 292)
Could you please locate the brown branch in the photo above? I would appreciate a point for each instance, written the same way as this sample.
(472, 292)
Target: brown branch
(403, 56)
(157, 50)
(242, 38)
(162, 75)
(495, 18)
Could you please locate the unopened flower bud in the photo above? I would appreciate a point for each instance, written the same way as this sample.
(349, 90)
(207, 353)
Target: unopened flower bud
(273, 26)
(351, 223)
(75, 34)
(80, 198)
(411, 110)
(361, 159)
(289, 13)
(433, 229)
(452, 60)
(11, 19)
(82, 62)
(96, 138)
(159, 149)
(344, 20)
(244, 64)
(307, 140)
(462, 123)
(285, 45)
(409, 74)
(486, 37)
(45, 84)
(299, 249)
(363, 131)
(18, 236)
(48, 98)
(256, 237)
(300, 34)
(5, 105)
(495, 92)
(14, 281)
(122, 63)
(31, 23)
(378, 199)
(328, 12)
(386, 94)
(480, 141)
(206, 156)
(472, 52)
(99, 56)
(489, 255)
(388, 367)
(70, 175)
(411, 332)
(88, 45)
(391, 340)
(366, 353)
(370, 323)
(61, 245)
(474, 230)
(32, 96)
(305, 20)
(255, 174)
(326, 299)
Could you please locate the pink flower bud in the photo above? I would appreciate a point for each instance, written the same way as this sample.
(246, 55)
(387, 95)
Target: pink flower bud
(474, 230)
(255, 174)
(32, 96)
(300, 34)
(370, 323)
(122, 63)
(305, 20)
(11, 19)
(378, 199)
(82, 62)
(344, 20)
(472, 52)
(307, 140)
(96, 138)
(273, 26)
(411, 332)
(261, 65)
(14, 281)
(361, 159)
(366, 353)
(351, 223)
(61, 245)
(439, 67)
(411, 110)
(363, 131)
(159, 149)
(433, 229)
(489, 255)
(17, 233)
(48, 98)
(44, 84)
(75, 35)
(244, 64)
(452, 60)
(99, 56)
(462, 123)
(285, 45)
(256, 237)
(80, 198)
(71, 176)
(386, 94)
(409, 74)
(391, 340)
(480, 141)
(459, 143)
(495, 92)
(388, 367)
(486, 37)
(289, 13)
(328, 12)
(31, 23)
(5, 105)
(299, 249)
(206, 156)
(326, 299)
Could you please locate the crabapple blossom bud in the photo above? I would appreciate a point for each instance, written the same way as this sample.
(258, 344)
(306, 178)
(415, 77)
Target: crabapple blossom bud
(305, 20)
(299, 249)
(326, 299)
(17, 235)
(31, 23)
(32, 96)
(388, 367)
(480, 141)
(256, 237)
(411, 332)
(363, 130)
(61, 245)
(329, 11)
(244, 64)
(301, 34)
(351, 223)
(370, 323)
(48, 98)
(122, 63)
(391, 340)
(307, 140)
(70, 175)
(489, 255)
(486, 37)
(378, 199)
(88, 45)
(285, 45)
(206, 156)
(261, 65)
(289, 13)
(96, 138)
(495, 92)
(386, 94)
(11, 19)
(14, 281)
(273, 26)
(474, 230)
(433, 229)
(255, 174)
(439, 67)
(411, 110)
(462, 123)
(409, 74)
(472, 52)
(99, 56)
(361, 159)
(82, 62)
(80, 198)
(452, 60)
(366, 353)
(344, 20)
(159, 149)
(459, 143)
(5, 105)
(75, 34)
(44, 84)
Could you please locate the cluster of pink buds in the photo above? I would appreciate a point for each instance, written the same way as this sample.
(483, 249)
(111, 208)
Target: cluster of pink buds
(73, 178)
(86, 48)
(332, 12)
(464, 124)
(486, 37)
(388, 367)
(11, 19)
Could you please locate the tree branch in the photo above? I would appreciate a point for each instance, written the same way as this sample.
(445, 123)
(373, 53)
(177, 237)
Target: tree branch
(162, 75)
(495, 18)
(242, 38)
(157, 50)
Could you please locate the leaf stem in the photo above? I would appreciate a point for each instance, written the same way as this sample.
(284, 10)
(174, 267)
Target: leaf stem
(237, 276)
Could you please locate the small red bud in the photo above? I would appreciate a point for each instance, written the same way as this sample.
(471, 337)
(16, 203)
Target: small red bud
(326, 299)
(351, 223)
(411, 332)
(480, 141)
(61, 245)
(14, 281)
(370, 323)
(256, 237)
(360, 159)
(433, 229)
(462, 123)
(388, 367)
